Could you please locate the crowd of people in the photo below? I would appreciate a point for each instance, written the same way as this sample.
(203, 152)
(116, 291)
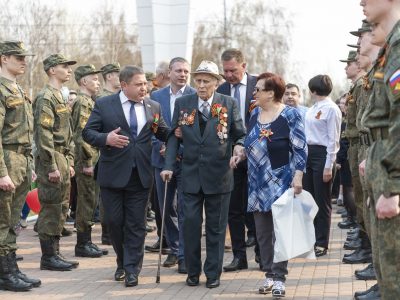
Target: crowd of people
(225, 149)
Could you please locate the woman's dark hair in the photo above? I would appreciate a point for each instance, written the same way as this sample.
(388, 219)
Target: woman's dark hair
(321, 85)
(273, 82)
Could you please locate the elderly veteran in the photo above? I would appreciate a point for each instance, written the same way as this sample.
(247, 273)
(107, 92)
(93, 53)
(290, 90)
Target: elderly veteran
(211, 124)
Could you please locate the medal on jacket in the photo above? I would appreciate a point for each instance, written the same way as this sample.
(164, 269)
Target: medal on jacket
(185, 118)
(154, 125)
(318, 115)
(221, 112)
(366, 85)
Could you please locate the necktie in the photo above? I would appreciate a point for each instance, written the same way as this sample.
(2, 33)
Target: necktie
(205, 112)
(236, 94)
(133, 124)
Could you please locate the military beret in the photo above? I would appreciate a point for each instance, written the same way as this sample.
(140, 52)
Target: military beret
(114, 67)
(351, 57)
(13, 48)
(56, 59)
(365, 27)
(85, 70)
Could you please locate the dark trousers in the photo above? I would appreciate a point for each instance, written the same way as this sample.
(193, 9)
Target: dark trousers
(216, 212)
(266, 240)
(321, 191)
(125, 213)
(238, 216)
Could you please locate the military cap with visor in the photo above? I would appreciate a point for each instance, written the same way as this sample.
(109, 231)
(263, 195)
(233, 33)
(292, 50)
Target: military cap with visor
(16, 48)
(365, 27)
(85, 70)
(109, 68)
(351, 57)
(56, 59)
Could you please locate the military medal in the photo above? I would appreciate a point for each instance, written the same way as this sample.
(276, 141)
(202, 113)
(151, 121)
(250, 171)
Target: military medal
(185, 118)
(156, 120)
(220, 112)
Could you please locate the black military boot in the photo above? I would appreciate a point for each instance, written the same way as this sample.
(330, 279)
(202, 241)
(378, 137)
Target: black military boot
(352, 244)
(348, 223)
(83, 246)
(367, 273)
(105, 235)
(359, 256)
(12, 261)
(103, 251)
(74, 263)
(50, 260)
(8, 280)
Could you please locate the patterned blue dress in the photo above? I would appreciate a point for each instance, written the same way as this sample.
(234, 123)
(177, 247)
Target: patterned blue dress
(273, 157)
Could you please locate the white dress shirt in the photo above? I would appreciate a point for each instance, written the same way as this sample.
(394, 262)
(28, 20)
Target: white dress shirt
(139, 109)
(201, 101)
(172, 98)
(322, 127)
(242, 91)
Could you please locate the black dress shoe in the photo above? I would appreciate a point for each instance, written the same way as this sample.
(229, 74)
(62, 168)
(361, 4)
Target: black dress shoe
(119, 274)
(131, 279)
(366, 274)
(359, 257)
(156, 247)
(320, 251)
(182, 267)
(171, 261)
(192, 280)
(212, 283)
(352, 244)
(236, 264)
(347, 224)
(251, 241)
(373, 293)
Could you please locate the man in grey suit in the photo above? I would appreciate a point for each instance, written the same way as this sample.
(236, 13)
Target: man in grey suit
(210, 125)
(179, 71)
(121, 126)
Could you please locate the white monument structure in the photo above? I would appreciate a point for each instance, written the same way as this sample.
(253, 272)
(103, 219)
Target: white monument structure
(165, 30)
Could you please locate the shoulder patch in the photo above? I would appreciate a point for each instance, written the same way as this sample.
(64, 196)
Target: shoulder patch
(394, 82)
(46, 120)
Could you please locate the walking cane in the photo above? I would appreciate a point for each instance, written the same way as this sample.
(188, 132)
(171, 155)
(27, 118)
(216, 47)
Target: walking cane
(162, 232)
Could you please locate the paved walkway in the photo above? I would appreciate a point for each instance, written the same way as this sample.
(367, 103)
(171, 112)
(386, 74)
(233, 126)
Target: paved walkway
(324, 278)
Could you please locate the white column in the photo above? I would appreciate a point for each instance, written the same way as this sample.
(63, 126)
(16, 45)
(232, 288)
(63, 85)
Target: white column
(165, 30)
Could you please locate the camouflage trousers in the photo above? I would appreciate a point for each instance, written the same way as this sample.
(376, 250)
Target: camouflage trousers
(87, 199)
(357, 187)
(19, 170)
(385, 233)
(54, 198)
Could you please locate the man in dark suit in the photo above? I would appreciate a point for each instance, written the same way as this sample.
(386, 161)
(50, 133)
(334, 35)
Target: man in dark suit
(210, 126)
(179, 71)
(240, 85)
(121, 126)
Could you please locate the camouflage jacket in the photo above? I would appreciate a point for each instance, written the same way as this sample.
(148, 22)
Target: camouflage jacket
(16, 119)
(383, 110)
(52, 131)
(85, 155)
(353, 106)
(104, 93)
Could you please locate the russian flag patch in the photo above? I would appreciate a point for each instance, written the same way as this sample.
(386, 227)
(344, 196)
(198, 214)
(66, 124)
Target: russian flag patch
(394, 82)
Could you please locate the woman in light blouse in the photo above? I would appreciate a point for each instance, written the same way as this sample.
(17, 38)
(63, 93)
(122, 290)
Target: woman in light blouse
(276, 153)
(322, 127)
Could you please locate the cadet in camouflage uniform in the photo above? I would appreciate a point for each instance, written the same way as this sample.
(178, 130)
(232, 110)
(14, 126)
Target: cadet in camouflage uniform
(382, 171)
(16, 136)
(368, 54)
(86, 158)
(112, 85)
(54, 161)
(110, 74)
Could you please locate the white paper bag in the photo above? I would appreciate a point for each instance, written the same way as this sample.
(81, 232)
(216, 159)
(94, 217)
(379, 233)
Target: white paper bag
(293, 217)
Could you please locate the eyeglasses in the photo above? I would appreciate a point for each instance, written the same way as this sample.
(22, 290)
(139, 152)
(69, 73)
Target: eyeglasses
(257, 89)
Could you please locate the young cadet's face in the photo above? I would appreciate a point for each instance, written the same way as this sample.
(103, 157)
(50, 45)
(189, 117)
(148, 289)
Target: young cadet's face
(376, 10)
(352, 69)
(365, 43)
(62, 72)
(14, 65)
(378, 35)
(92, 83)
(364, 61)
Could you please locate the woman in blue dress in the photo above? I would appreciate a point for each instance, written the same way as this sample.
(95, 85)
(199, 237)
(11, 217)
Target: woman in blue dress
(276, 151)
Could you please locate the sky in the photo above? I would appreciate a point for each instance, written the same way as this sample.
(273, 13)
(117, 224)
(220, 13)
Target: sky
(319, 36)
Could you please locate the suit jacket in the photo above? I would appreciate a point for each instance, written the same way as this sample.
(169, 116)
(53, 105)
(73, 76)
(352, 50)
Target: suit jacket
(162, 96)
(115, 164)
(205, 163)
(225, 89)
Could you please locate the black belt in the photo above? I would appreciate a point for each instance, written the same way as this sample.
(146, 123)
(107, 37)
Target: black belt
(20, 149)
